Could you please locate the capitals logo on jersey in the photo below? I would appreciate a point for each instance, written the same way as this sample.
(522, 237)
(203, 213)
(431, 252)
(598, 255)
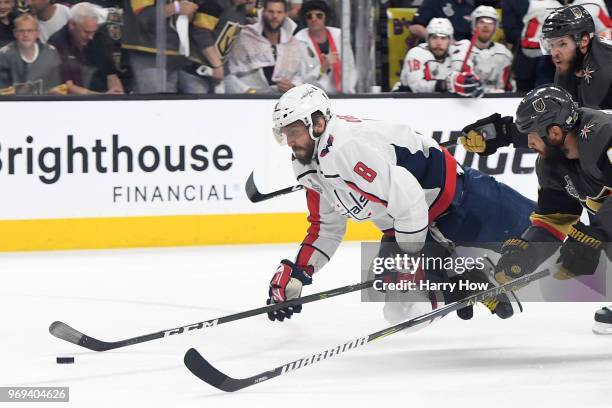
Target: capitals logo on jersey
(330, 141)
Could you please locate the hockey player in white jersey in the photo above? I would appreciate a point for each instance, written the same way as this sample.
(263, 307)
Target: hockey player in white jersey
(436, 66)
(490, 60)
(400, 180)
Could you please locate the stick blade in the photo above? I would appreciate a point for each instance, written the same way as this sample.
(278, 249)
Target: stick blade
(251, 189)
(62, 331)
(202, 369)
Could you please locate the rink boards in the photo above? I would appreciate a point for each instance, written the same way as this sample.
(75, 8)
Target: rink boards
(109, 174)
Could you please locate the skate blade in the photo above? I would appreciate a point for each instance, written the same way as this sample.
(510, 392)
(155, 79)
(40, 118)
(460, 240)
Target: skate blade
(602, 328)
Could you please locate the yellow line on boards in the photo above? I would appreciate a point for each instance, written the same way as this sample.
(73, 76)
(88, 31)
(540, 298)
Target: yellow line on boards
(158, 231)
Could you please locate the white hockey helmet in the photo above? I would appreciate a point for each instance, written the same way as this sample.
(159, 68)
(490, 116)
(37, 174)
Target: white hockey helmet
(484, 12)
(440, 26)
(299, 103)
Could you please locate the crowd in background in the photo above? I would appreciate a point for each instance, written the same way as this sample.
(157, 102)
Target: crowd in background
(266, 46)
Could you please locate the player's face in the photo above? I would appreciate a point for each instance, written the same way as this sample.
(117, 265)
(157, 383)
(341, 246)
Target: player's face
(36, 6)
(299, 141)
(535, 142)
(274, 15)
(6, 6)
(84, 32)
(563, 53)
(26, 34)
(438, 45)
(486, 29)
(315, 19)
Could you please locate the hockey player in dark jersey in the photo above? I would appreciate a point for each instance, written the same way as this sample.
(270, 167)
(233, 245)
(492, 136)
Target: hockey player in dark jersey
(582, 61)
(574, 171)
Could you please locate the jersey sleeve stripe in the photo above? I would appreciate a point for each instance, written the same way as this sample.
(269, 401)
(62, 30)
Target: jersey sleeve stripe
(555, 232)
(314, 216)
(446, 196)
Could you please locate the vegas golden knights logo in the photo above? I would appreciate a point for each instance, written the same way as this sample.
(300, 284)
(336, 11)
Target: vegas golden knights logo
(539, 105)
(576, 12)
(227, 38)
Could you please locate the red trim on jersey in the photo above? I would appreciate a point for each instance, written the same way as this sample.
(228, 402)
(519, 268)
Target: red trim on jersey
(447, 194)
(389, 232)
(532, 29)
(604, 18)
(313, 200)
(555, 232)
(428, 76)
(506, 75)
(366, 195)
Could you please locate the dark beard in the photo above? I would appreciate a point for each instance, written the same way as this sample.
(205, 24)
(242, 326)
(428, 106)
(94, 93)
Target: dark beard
(269, 28)
(554, 155)
(308, 158)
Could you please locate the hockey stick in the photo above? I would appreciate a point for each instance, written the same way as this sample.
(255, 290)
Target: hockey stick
(63, 331)
(464, 66)
(202, 369)
(256, 196)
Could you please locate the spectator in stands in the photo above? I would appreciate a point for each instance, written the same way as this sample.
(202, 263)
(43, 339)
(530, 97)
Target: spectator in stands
(267, 57)
(8, 13)
(324, 46)
(140, 39)
(27, 66)
(295, 7)
(86, 67)
(523, 67)
(457, 11)
(219, 24)
(437, 65)
(491, 61)
(512, 22)
(51, 17)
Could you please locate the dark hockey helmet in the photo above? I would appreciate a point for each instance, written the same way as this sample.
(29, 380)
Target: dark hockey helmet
(546, 106)
(570, 20)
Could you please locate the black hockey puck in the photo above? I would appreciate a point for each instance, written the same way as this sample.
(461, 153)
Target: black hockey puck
(65, 360)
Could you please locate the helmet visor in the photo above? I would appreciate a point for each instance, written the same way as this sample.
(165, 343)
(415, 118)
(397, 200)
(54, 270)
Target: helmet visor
(549, 45)
(279, 136)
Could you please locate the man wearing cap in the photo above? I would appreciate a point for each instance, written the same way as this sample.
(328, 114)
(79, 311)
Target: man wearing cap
(324, 46)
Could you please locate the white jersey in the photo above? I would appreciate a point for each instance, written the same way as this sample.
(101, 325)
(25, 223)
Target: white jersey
(368, 170)
(421, 70)
(493, 65)
(54, 24)
(325, 80)
(540, 9)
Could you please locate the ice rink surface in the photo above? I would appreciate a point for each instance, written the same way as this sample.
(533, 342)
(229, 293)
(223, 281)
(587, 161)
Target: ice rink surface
(545, 357)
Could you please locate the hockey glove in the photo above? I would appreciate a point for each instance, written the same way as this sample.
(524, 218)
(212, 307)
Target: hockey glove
(486, 135)
(580, 252)
(286, 284)
(519, 258)
(465, 84)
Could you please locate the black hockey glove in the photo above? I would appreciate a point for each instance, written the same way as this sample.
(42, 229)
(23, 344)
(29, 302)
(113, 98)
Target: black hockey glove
(286, 284)
(580, 252)
(519, 258)
(486, 135)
